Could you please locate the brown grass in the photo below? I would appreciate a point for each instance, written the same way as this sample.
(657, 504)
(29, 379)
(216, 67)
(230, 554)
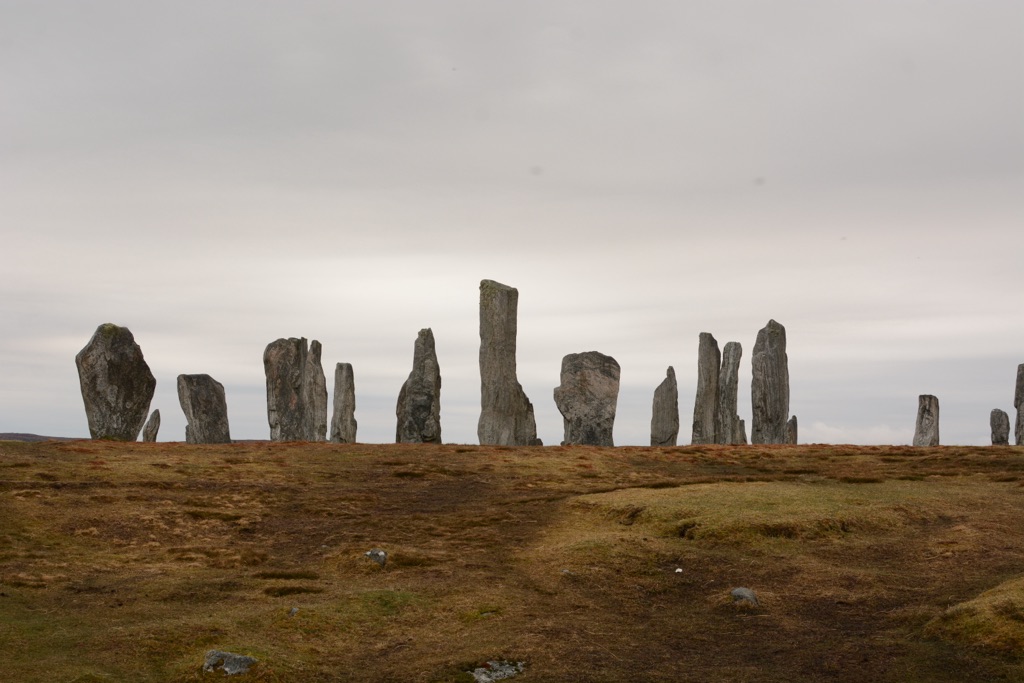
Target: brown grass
(129, 561)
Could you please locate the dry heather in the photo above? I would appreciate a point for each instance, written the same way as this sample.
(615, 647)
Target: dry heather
(126, 562)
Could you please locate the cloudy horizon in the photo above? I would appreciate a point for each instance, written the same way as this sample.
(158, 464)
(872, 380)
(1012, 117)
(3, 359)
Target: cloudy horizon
(215, 176)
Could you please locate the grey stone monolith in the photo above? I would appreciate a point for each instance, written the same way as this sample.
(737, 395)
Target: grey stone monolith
(1018, 404)
(926, 430)
(206, 409)
(791, 430)
(419, 402)
(726, 416)
(117, 385)
(769, 388)
(587, 398)
(709, 361)
(295, 384)
(343, 421)
(665, 412)
(152, 427)
(506, 414)
(999, 421)
(741, 432)
(314, 385)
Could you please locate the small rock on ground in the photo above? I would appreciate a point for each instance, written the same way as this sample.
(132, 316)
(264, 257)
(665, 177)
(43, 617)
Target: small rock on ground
(231, 663)
(497, 671)
(744, 595)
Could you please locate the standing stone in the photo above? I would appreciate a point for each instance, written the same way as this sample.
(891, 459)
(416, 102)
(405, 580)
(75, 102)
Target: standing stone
(314, 385)
(343, 422)
(506, 414)
(791, 430)
(769, 388)
(665, 414)
(999, 421)
(117, 385)
(206, 410)
(152, 427)
(926, 431)
(587, 398)
(741, 432)
(726, 417)
(709, 361)
(419, 402)
(296, 391)
(1018, 403)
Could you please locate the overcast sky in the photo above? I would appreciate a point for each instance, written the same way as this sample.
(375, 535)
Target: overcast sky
(216, 175)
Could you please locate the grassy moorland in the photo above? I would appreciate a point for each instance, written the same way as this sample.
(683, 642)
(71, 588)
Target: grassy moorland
(126, 562)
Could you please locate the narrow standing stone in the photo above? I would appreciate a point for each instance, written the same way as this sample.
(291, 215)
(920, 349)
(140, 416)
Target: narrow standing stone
(506, 414)
(587, 398)
(343, 422)
(709, 361)
(296, 391)
(791, 429)
(665, 412)
(999, 421)
(419, 402)
(149, 432)
(726, 416)
(1018, 403)
(926, 431)
(206, 410)
(769, 388)
(741, 432)
(314, 386)
(117, 385)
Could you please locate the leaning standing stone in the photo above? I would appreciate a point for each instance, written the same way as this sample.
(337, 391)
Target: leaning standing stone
(709, 361)
(726, 417)
(587, 398)
(926, 432)
(152, 427)
(665, 413)
(206, 409)
(791, 430)
(419, 402)
(117, 385)
(769, 389)
(314, 387)
(506, 414)
(999, 421)
(343, 422)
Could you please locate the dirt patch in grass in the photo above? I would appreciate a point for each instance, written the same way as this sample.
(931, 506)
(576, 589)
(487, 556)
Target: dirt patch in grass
(590, 564)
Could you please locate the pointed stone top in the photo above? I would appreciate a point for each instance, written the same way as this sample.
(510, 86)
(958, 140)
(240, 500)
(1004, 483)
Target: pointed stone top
(671, 372)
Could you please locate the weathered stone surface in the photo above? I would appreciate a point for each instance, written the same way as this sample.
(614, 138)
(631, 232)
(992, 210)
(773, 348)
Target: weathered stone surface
(117, 385)
(741, 432)
(744, 595)
(726, 416)
(665, 413)
(228, 661)
(343, 421)
(791, 430)
(1018, 403)
(296, 391)
(587, 398)
(769, 388)
(206, 409)
(506, 414)
(419, 402)
(999, 421)
(926, 431)
(709, 361)
(314, 385)
(149, 432)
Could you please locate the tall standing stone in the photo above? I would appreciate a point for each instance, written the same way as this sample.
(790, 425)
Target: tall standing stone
(741, 432)
(149, 432)
(709, 361)
(206, 409)
(791, 430)
(726, 417)
(296, 391)
(587, 398)
(506, 414)
(769, 388)
(926, 430)
(665, 412)
(419, 402)
(1018, 403)
(343, 421)
(117, 385)
(999, 421)
(314, 385)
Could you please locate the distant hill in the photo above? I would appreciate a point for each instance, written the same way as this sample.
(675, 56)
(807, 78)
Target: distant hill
(11, 436)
